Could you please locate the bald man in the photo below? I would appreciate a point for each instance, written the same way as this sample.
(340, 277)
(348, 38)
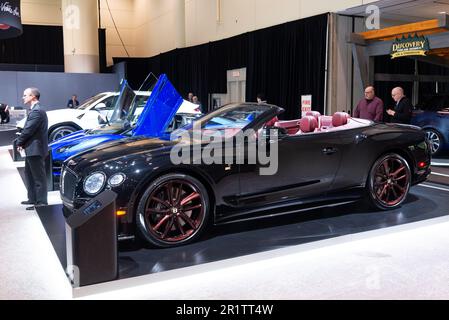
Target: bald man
(402, 111)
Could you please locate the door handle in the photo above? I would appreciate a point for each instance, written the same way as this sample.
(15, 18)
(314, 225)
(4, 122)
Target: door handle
(329, 151)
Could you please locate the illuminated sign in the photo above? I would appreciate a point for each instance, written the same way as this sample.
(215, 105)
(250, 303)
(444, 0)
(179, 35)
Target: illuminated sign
(409, 46)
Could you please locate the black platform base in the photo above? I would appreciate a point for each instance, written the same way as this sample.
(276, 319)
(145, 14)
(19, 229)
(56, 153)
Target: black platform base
(7, 135)
(241, 239)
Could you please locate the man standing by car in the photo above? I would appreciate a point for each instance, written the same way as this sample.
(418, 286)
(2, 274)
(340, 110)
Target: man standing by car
(34, 140)
(402, 112)
(73, 102)
(371, 107)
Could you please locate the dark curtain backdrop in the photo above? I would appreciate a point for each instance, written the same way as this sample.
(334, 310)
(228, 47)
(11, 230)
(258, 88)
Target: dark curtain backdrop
(284, 62)
(102, 50)
(37, 45)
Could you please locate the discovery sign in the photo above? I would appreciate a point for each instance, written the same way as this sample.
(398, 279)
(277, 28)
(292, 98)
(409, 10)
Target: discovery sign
(409, 46)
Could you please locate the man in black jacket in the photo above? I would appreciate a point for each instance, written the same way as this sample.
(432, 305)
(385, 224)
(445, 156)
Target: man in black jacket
(34, 140)
(402, 112)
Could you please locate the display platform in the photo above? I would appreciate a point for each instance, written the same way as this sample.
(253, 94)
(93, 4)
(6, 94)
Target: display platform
(7, 135)
(440, 175)
(234, 243)
(241, 239)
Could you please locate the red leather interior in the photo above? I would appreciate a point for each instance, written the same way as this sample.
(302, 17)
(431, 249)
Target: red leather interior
(272, 122)
(314, 122)
(315, 114)
(292, 126)
(340, 119)
(308, 124)
(325, 121)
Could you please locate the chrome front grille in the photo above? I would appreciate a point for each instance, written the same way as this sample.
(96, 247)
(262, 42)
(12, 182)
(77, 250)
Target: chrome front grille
(69, 181)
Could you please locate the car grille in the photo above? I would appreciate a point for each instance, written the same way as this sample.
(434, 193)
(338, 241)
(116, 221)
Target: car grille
(68, 182)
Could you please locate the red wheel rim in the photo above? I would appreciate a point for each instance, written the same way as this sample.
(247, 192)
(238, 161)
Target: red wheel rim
(174, 211)
(391, 181)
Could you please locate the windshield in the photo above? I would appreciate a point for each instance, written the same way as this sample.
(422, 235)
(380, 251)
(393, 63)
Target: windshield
(113, 128)
(87, 103)
(235, 117)
(229, 119)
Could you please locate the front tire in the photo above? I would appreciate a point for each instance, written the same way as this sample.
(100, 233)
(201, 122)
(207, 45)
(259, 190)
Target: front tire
(435, 139)
(174, 210)
(60, 132)
(389, 182)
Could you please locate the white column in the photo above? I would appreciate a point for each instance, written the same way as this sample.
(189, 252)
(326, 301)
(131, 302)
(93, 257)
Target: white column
(80, 28)
(180, 23)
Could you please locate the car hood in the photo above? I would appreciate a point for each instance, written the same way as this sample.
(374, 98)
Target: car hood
(55, 116)
(79, 142)
(119, 149)
(160, 109)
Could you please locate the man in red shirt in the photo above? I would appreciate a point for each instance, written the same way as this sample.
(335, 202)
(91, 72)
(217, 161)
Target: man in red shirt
(371, 107)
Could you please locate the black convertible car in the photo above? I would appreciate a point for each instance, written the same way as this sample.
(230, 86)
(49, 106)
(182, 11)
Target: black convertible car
(320, 161)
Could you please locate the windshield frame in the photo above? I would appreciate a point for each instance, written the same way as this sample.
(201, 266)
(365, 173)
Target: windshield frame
(90, 102)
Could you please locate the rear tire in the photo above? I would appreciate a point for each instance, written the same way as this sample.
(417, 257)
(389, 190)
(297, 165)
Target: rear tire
(389, 182)
(173, 211)
(59, 132)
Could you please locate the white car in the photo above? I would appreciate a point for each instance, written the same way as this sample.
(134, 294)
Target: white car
(94, 112)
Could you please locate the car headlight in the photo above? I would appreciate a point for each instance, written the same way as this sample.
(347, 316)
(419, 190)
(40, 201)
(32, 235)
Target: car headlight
(117, 179)
(94, 183)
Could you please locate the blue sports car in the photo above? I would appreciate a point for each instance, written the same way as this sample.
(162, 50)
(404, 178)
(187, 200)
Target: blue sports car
(164, 111)
(433, 117)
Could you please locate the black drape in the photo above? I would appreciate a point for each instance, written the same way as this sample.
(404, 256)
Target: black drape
(37, 45)
(102, 50)
(284, 62)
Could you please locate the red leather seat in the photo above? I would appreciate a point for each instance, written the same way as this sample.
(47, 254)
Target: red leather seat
(315, 114)
(340, 119)
(308, 124)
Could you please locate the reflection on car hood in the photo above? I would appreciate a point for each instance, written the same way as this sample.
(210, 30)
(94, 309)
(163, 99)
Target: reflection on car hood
(118, 149)
(79, 142)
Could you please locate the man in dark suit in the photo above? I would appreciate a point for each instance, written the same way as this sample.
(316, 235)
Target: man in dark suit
(73, 103)
(34, 140)
(402, 112)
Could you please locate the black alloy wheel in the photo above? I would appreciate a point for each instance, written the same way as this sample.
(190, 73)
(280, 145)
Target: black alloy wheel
(389, 182)
(174, 210)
